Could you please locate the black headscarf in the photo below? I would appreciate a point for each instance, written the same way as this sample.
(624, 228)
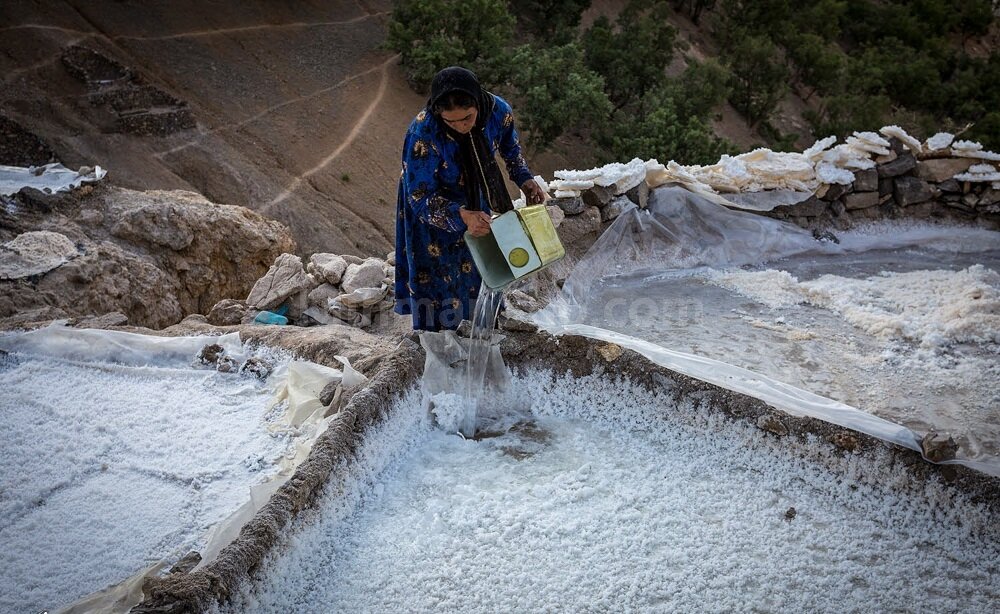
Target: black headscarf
(474, 151)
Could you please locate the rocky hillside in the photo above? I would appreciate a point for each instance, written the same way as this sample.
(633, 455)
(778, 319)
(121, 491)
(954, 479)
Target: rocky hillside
(291, 110)
(152, 257)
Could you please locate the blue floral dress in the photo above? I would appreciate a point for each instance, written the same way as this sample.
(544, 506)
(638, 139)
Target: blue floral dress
(436, 280)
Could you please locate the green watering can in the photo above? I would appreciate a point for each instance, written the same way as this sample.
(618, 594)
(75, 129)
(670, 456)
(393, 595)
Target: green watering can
(520, 242)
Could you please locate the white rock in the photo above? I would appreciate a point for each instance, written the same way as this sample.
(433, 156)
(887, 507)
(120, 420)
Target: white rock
(391, 258)
(941, 140)
(34, 253)
(828, 173)
(966, 146)
(285, 278)
(329, 267)
(367, 274)
(976, 153)
(361, 298)
(911, 143)
(572, 184)
(979, 177)
(322, 294)
(567, 193)
(862, 145)
(872, 138)
(816, 151)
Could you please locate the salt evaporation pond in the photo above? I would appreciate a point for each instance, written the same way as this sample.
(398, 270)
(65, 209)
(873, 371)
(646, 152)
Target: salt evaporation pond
(118, 453)
(609, 498)
(893, 331)
(860, 328)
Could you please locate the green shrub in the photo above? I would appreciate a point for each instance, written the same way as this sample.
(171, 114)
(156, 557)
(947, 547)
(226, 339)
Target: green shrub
(556, 92)
(433, 34)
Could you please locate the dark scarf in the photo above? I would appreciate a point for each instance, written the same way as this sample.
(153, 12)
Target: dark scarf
(474, 152)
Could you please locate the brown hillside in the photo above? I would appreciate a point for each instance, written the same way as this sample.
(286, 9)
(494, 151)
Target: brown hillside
(292, 110)
(289, 109)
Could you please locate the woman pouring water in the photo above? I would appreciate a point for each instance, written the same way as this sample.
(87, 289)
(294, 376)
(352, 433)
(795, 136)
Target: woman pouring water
(450, 184)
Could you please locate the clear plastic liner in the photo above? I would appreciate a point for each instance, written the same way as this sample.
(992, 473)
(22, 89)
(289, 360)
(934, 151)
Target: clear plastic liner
(60, 341)
(49, 178)
(768, 200)
(660, 282)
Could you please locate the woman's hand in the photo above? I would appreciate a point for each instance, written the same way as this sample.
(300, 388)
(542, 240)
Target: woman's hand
(532, 193)
(477, 221)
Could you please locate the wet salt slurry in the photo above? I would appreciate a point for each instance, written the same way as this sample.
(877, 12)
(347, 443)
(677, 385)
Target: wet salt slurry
(606, 497)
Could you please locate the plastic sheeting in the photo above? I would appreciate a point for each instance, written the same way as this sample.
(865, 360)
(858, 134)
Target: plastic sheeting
(650, 283)
(48, 178)
(60, 341)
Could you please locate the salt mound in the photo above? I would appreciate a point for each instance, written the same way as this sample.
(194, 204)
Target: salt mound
(933, 308)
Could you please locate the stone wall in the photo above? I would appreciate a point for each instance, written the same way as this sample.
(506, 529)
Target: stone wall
(900, 186)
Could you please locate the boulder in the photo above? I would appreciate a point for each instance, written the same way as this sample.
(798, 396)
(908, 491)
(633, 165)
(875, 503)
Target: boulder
(35, 253)
(990, 196)
(835, 191)
(390, 258)
(363, 297)
(811, 207)
(904, 163)
(597, 196)
(942, 169)
(153, 256)
(639, 194)
(227, 312)
(327, 267)
(615, 208)
(581, 227)
(297, 304)
(321, 295)
(367, 274)
(866, 180)
(352, 259)
(571, 206)
(910, 191)
(937, 447)
(285, 278)
(210, 354)
(104, 322)
(860, 200)
(951, 186)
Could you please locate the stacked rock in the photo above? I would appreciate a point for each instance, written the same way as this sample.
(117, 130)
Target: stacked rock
(330, 289)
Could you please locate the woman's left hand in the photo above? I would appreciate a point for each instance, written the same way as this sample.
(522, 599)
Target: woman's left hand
(532, 193)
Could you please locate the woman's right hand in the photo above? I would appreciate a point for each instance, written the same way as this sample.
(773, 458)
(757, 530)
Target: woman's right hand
(477, 221)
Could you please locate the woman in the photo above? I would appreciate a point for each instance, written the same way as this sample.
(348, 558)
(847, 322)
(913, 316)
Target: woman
(450, 184)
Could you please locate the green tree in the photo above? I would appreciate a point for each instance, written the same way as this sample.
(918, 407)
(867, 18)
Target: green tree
(693, 8)
(433, 34)
(759, 78)
(633, 54)
(550, 21)
(842, 114)
(666, 133)
(818, 64)
(673, 121)
(556, 92)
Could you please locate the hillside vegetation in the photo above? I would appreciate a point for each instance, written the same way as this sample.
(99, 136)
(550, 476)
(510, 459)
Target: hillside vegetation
(860, 64)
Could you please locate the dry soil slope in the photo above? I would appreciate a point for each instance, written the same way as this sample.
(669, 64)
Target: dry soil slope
(298, 112)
